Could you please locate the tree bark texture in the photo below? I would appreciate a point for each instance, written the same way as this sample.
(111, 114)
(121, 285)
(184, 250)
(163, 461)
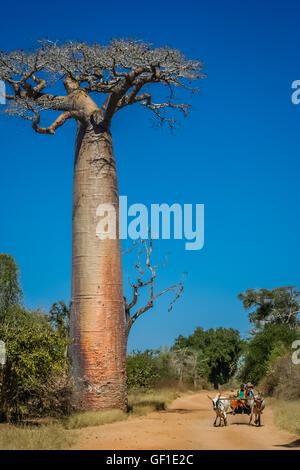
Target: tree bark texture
(97, 314)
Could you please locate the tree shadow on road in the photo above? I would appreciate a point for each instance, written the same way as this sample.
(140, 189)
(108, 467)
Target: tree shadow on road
(290, 445)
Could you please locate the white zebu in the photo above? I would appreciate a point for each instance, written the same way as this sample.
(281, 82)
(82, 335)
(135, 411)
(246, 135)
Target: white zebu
(220, 406)
(257, 405)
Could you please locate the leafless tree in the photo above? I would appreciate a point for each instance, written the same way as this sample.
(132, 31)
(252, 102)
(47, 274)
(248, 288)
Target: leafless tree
(122, 73)
(145, 248)
(194, 360)
(179, 361)
(187, 362)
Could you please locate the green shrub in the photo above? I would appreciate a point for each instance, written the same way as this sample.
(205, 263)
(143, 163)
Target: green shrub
(145, 369)
(262, 349)
(36, 358)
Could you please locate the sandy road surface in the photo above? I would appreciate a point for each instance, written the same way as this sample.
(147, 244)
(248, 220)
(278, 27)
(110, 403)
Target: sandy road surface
(187, 424)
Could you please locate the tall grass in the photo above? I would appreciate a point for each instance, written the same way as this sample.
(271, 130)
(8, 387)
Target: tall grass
(58, 435)
(93, 418)
(45, 437)
(141, 403)
(286, 414)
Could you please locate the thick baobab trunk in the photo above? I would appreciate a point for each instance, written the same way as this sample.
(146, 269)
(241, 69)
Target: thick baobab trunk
(97, 315)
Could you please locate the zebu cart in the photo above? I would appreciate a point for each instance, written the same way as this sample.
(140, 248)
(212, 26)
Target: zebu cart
(250, 406)
(239, 405)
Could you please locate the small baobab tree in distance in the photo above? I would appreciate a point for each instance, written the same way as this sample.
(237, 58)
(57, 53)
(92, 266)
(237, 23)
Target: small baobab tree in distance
(122, 72)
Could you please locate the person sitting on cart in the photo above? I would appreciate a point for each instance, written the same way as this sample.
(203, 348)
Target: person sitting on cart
(242, 392)
(239, 402)
(241, 396)
(249, 390)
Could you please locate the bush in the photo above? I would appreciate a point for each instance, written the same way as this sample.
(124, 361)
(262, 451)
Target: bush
(146, 369)
(282, 379)
(265, 347)
(54, 397)
(35, 375)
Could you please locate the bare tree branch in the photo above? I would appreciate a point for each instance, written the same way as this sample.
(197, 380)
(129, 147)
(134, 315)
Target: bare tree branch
(177, 289)
(60, 121)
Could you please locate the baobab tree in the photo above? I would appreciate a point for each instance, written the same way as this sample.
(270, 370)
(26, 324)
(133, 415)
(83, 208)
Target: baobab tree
(120, 72)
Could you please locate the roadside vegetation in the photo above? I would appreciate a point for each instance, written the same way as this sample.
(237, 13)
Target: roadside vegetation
(58, 433)
(286, 414)
(139, 404)
(282, 384)
(93, 418)
(37, 408)
(43, 437)
(267, 359)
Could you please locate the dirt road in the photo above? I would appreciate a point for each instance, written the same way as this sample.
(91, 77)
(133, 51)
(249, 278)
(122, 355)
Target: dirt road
(187, 424)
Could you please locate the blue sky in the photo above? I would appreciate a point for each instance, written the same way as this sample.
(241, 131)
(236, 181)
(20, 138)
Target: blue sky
(237, 153)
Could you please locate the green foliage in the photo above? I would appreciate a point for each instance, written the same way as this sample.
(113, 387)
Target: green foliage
(266, 346)
(10, 291)
(35, 353)
(35, 378)
(59, 316)
(220, 350)
(142, 369)
(280, 305)
(148, 369)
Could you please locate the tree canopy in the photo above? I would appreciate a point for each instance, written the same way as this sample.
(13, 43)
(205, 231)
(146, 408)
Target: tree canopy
(36, 369)
(221, 347)
(280, 305)
(118, 70)
(269, 343)
(10, 291)
(59, 315)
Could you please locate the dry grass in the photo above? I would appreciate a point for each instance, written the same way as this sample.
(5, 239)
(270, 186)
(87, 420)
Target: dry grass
(45, 437)
(286, 414)
(142, 403)
(93, 418)
(139, 403)
(58, 435)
